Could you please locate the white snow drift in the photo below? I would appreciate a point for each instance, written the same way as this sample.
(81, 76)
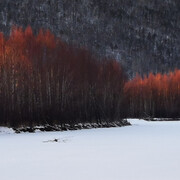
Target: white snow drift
(143, 151)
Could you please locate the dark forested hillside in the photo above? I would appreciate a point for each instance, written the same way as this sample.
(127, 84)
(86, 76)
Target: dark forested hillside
(144, 35)
(46, 81)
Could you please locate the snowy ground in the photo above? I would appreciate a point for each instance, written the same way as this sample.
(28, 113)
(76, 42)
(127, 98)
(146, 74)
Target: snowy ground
(143, 151)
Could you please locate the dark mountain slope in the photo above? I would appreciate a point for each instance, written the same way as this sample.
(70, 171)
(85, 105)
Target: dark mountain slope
(144, 35)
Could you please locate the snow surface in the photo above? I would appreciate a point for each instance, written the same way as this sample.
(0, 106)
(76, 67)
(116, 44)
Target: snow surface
(143, 151)
(5, 130)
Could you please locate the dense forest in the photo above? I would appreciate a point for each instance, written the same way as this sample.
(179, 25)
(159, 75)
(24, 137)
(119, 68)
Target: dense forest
(143, 35)
(46, 81)
(43, 80)
(154, 95)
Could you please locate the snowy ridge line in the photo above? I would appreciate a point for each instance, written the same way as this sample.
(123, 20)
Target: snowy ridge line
(161, 119)
(6, 130)
(66, 127)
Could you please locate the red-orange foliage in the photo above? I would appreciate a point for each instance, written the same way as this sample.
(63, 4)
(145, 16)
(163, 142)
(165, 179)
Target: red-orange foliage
(155, 95)
(46, 80)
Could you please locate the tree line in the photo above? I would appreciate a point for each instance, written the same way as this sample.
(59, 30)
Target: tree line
(46, 81)
(154, 95)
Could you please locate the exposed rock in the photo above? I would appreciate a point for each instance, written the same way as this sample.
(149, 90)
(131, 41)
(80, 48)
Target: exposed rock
(67, 127)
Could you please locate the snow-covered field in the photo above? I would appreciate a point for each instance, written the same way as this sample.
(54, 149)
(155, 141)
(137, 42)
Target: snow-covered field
(143, 151)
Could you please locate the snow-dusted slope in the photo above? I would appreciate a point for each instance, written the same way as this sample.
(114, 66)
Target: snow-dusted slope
(143, 151)
(142, 34)
(5, 130)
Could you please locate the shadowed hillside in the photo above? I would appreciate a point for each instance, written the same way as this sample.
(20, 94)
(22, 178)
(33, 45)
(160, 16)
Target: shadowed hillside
(144, 35)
